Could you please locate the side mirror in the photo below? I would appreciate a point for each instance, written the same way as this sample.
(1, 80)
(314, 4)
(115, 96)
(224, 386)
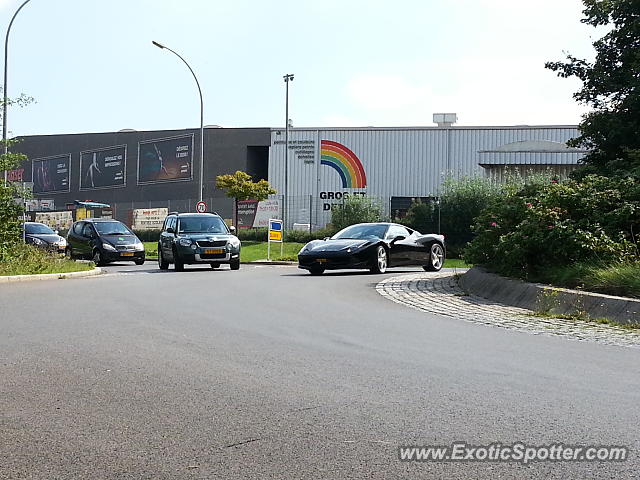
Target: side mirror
(55, 231)
(326, 238)
(398, 238)
(232, 230)
(170, 230)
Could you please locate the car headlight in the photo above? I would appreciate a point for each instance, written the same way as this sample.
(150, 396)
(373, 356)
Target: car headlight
(304, 249)
(185, 242)
(234, 242)
(37, 241)
(108, 246)
(62, 242)
(138, 246)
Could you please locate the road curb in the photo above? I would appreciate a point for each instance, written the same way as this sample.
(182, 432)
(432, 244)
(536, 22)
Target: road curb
(539, 297)
(49, 276)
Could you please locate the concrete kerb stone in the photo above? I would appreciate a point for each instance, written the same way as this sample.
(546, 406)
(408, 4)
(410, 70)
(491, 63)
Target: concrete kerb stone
(49, 276)
(535, 296)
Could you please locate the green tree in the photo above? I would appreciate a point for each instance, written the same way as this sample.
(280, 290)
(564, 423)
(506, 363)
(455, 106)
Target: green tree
(355, 209)
(10, 209)
(241, 187)
(611, 86)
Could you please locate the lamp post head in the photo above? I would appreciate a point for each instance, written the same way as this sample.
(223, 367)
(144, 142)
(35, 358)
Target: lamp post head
(288, 77)
(159, 45)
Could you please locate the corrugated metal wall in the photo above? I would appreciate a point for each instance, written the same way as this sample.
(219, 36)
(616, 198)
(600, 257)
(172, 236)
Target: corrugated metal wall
(404, 162)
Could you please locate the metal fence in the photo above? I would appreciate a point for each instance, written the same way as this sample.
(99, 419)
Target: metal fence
(222, 206)
(316, 211)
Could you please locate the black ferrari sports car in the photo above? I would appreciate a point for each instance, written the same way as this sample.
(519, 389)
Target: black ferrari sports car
(374, 246)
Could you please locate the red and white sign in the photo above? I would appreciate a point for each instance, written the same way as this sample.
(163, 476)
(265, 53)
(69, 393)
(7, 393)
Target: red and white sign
(201, 207)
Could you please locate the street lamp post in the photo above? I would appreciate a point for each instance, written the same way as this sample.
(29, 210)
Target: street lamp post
(201, 187)
(285, 211)
(6, 99)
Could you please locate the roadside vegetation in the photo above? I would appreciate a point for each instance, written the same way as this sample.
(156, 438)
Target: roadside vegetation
(17, 258)
(581, 232)
(27, 260)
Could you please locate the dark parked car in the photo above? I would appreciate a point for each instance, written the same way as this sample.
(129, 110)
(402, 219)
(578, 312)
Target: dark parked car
(192, 238)
(374, 246)
(43, 236)
(104, 240)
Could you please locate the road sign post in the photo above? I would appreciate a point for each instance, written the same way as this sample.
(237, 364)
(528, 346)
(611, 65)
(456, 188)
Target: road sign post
(275, 235)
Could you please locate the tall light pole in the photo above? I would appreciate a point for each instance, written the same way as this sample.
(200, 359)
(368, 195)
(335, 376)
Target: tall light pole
(6, 99)
(201, 188)
(285, 211)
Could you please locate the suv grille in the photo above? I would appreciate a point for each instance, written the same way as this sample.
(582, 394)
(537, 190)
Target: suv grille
(206, 243)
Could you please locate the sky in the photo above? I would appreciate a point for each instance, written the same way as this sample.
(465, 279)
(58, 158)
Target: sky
(91, 67)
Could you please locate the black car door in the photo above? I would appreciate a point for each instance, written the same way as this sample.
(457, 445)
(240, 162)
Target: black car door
(399, 245)
(88, 239)
(74, 238)
(167, 237)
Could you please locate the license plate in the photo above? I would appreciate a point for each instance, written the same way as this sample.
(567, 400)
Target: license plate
(213, 251)
(127, 254)
(321, 260)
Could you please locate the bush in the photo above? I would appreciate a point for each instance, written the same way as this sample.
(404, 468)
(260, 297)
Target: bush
(147, 235)
(10, 211)
(461, 202)
(252, 234)
(534, 228)
(21, 259)
(356, 209)
(294, 236)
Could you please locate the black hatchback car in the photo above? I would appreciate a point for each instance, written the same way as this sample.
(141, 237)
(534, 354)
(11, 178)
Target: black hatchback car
(104, 240)
(43, 236)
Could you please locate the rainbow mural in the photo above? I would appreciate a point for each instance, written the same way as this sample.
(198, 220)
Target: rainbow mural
(345, 162)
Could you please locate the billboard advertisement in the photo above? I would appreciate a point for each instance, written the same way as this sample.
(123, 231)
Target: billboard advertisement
(103, 168)
(148, 218)
(254, 214)
(51, 174)
(165, 160)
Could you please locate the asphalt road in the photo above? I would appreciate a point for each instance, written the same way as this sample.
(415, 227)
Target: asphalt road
(270, 373)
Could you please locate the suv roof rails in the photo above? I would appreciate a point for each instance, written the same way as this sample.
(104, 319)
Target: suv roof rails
(172, 213)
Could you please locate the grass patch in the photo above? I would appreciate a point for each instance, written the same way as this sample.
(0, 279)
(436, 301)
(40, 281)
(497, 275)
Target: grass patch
(580, 317)
(150, 249)
(252, 251)
(456, 263)
(27, 260)
(622, 279)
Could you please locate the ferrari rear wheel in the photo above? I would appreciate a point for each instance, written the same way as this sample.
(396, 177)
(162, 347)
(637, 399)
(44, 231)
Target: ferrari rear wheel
(436, 258)
(380, 260)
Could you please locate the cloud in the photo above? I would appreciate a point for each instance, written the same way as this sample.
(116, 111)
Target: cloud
(386, 92)
(482, 90)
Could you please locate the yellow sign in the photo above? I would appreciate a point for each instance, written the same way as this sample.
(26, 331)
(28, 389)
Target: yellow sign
(275, 236)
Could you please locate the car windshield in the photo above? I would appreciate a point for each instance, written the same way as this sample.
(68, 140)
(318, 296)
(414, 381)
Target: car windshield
(112, 228)
(202, 225)
(38, 229)
(361, 231)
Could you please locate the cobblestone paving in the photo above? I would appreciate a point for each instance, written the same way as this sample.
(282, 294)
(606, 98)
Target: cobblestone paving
(440, 294)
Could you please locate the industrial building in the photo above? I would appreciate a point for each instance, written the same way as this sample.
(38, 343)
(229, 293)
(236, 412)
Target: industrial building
(138, 170)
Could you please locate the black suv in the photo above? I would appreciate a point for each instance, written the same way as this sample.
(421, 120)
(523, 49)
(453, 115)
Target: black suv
(192, 238)
(104, 240)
